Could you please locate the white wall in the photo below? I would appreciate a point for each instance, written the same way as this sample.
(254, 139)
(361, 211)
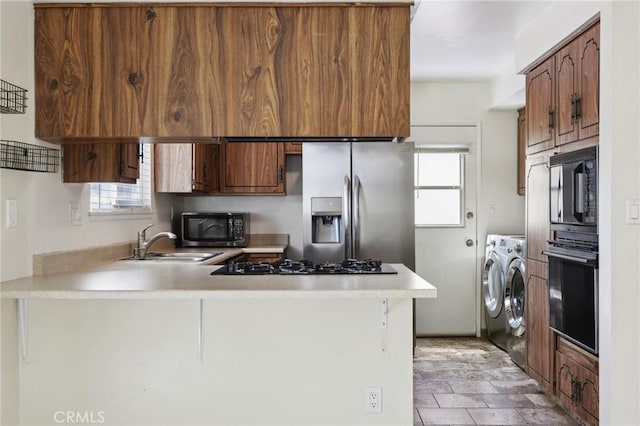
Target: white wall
(43, 200)
(269, 214)
(619, 151)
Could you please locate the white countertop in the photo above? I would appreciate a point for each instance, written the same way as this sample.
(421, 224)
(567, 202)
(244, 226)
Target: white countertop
(183, 280)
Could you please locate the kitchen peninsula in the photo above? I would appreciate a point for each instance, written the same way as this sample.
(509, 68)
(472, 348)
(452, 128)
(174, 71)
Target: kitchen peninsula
(168, 343)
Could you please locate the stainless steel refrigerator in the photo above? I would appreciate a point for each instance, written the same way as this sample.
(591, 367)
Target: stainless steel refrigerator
(358, 201)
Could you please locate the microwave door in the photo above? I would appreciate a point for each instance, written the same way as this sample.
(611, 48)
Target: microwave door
(567, 196)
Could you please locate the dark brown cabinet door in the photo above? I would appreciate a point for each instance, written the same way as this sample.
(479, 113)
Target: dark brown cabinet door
(537, 229)
(567, 83)
(589, 103)
(577, 383)
(577, 79)
(539, 336)
(540, 95)
(522, 151)
(252, 167)
(100, 162)
(130, 160)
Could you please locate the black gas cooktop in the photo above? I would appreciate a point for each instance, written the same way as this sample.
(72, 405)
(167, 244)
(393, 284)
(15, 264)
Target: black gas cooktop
(305, 267)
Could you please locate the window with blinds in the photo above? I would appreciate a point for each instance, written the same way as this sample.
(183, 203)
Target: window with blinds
(439, 186)
(124, 197)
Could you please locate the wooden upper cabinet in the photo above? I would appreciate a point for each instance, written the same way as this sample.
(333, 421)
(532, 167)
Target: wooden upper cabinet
(577, 74)
(101, 162)
(199, 71)
(562, 93)
(540, 110)
(589, 100)
(67, 77)
(252, 167)
(186, 168)
(379, 71)
(316, 80)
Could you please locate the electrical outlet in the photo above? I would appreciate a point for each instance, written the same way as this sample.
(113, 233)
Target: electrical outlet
(374, 400)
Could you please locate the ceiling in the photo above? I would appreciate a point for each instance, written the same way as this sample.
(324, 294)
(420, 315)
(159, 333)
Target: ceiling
(466, 40)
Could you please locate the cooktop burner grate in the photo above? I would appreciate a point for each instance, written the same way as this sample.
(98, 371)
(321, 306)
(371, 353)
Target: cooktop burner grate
(306, 267)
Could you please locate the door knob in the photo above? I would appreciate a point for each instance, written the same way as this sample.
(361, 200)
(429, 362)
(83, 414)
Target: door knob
(469, 242)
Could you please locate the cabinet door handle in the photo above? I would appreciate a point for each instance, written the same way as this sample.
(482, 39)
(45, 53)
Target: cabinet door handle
(551, 118)
(573, 108)
(578, 103)
(280, 174)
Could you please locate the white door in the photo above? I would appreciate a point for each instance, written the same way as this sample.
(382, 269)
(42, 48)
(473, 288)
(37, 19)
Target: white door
(447, 176)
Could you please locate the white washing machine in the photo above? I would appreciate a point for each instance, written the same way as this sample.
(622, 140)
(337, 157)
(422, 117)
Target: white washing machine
(493, 280)
(514, 298)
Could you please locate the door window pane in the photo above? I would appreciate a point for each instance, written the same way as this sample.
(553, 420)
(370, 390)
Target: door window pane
(437, 169)
(437, 207)
(438, 188)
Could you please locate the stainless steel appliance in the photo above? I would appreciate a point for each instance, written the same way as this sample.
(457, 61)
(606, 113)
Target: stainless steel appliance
(573, 188)
(573, 287)
(503, 292)
(493, 290)
(305, 267)
(514, 299)
(212, 229)
(358, 202)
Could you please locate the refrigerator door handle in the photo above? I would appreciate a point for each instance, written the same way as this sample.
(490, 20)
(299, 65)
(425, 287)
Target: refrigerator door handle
(356, 217)
(346, 203)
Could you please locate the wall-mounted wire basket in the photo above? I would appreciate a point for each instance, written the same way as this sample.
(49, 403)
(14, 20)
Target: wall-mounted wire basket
(13, 99)
(32, 158)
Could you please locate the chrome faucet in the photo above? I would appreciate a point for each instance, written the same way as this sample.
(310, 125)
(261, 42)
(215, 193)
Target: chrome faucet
(141, 251)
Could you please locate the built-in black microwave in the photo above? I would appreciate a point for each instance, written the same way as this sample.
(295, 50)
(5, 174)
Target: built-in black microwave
(574, 189)
(210, 229)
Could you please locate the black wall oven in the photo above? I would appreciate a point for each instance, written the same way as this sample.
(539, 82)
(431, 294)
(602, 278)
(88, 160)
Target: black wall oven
(573, 250)
(573, 288)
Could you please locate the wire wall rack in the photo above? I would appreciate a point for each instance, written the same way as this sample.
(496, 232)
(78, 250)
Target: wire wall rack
(13, 99)
(32, 158)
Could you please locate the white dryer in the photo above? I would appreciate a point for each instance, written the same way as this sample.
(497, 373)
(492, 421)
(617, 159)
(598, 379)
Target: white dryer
(514, 299)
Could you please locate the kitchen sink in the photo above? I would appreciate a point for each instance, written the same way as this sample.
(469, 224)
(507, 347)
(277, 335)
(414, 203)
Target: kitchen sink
(185, 257)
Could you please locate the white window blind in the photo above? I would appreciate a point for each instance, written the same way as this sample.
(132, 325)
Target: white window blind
(439, 185)
(124, 197)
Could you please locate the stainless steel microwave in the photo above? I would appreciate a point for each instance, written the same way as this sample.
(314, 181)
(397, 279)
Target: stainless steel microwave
(574, 189)
(210, 229)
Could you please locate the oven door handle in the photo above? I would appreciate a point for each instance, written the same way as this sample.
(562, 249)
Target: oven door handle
(566, 257)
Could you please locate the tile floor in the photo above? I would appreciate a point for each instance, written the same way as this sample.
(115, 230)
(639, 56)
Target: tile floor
(467, 381)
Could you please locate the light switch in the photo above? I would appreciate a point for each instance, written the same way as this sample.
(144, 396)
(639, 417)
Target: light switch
(75, 214)
(12, 214)
(633, 212)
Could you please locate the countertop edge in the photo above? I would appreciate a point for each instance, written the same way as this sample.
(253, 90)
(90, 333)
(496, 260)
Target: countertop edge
(218, 294)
